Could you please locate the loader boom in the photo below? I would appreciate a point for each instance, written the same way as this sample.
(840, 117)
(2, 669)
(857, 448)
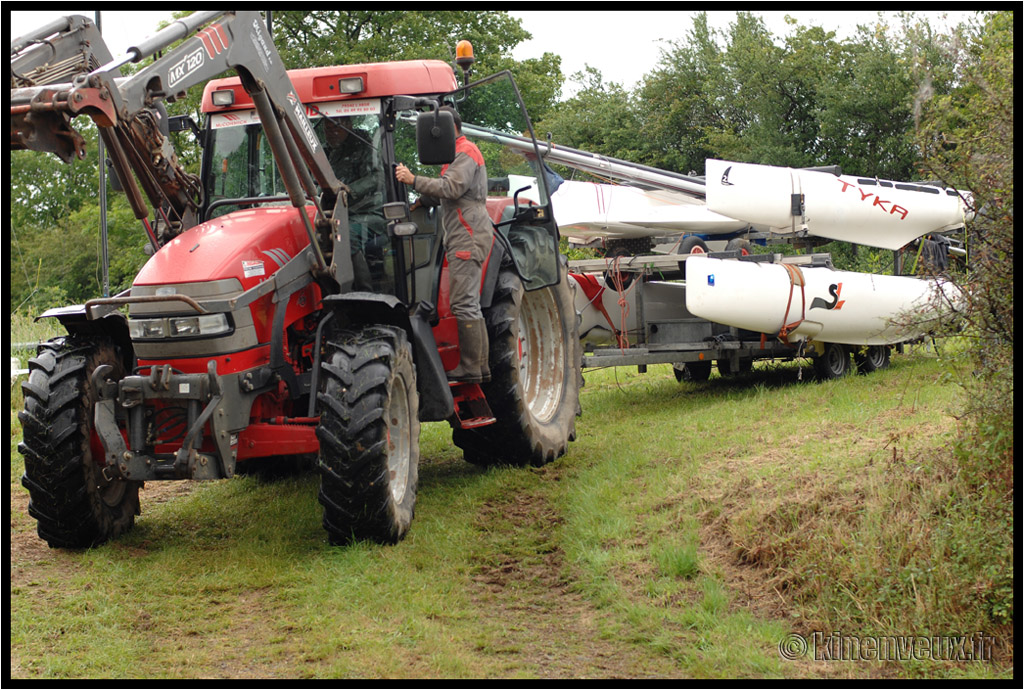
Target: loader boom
(57, 52)
(128, 113)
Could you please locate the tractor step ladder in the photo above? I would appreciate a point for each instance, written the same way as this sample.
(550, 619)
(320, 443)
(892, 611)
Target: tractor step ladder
(471, 408)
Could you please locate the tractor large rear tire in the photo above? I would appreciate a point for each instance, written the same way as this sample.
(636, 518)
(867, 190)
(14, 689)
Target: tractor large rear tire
(535, 364)
(369, 435)
(75, 505)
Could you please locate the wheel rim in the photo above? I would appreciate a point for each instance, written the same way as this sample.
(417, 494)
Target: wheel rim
(876, 356)
(541, 354)
(835, 358)
(399, 441)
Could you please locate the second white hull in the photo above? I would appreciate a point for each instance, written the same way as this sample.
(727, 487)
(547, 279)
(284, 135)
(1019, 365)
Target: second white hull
(834, 306)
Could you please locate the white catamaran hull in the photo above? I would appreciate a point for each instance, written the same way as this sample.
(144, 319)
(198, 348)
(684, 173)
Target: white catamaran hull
(868, 211)
(833, 306)
(589, 210)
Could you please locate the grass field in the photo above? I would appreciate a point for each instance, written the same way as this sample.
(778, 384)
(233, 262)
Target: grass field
(691, 530)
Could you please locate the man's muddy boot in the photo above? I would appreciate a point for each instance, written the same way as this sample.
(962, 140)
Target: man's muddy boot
(473, 353)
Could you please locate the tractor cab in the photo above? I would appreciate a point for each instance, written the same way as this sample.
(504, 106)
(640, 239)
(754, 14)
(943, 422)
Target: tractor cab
(365, 118)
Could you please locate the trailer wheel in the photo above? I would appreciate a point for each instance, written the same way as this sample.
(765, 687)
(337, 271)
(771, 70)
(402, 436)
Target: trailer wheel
(535, 365)
(692, 371)
(834, 363)
(691, 245)
(872, 358)
(74, 503)
(741, 245)
(369, 435)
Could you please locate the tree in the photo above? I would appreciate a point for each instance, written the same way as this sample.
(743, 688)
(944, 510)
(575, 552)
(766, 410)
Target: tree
(688, 87)
(967, 138)
(867, 108)
(54, 247)
(745, 94)
(601, 117)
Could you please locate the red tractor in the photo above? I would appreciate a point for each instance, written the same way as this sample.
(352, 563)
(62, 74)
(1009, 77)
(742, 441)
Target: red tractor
(293, 306)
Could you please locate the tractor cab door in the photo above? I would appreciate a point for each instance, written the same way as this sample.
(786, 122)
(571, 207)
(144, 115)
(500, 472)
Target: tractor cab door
(495, 119)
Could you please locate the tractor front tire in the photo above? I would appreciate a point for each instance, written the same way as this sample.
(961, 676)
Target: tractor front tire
(369, 435)
(74, 503)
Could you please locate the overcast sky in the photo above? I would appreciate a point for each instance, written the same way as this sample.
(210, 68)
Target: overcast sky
(624, 46)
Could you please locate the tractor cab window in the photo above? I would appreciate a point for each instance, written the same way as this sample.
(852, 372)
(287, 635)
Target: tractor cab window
(242, 174)
(241, 166)
(494, 117)
(353, 147)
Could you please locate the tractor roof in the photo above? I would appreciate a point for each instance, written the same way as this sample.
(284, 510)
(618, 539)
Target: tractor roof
(319, 84)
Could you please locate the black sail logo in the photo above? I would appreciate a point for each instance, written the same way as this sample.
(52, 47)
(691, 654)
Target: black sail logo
(835, 289)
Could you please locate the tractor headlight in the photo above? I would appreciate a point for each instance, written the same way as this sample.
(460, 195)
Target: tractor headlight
(223, 98)
(203, 326)
(209, 324)
(143, 329)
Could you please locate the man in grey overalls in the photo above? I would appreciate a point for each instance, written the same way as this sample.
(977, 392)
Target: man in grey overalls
(461, 192)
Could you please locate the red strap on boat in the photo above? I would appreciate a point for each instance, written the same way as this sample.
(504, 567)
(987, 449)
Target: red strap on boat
(619, 282)
(796, 278)
(593, 292)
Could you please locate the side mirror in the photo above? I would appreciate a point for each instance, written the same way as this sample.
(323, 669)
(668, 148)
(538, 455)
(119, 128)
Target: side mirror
(435, 137)
(179, 123)
(182, 123)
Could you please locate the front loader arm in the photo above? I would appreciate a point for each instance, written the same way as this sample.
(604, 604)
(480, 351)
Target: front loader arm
(123, 109)
(43, 63)
(57, 52)
(236, 41)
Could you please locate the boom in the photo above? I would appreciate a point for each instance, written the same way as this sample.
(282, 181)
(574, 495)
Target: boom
(601, 165)
(129, 114)
(57, 52)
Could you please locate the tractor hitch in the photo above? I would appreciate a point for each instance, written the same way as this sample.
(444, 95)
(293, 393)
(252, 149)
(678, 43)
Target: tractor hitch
(150, 408)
